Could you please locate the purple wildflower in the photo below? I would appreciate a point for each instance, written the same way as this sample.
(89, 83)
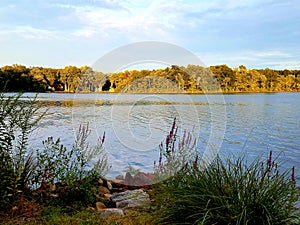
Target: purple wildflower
(293, 174)
(103, 138)
(196, 161)
(173, 126)
(175, 133)
(173, 147)
(160, 155)
(270, 162)
(167, 141)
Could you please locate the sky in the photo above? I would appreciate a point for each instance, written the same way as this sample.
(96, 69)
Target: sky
(57, 33)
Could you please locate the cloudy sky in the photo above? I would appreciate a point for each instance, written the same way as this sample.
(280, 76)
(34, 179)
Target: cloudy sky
(57, 33)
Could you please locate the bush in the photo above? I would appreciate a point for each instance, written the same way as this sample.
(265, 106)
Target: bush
(17, 119)
(21, 170)
(56, 163)
(72, 169)
(79, 193)
(229, 192)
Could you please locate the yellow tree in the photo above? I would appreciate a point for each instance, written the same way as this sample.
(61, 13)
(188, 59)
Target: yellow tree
(240, 74)
(71, 77)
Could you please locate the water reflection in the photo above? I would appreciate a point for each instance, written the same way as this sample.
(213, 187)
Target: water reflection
(255, 124)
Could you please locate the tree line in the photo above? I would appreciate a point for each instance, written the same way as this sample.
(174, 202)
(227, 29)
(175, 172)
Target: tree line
(190, 79)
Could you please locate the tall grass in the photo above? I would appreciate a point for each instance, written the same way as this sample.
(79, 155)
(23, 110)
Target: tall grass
(17, 120)
(230, 192)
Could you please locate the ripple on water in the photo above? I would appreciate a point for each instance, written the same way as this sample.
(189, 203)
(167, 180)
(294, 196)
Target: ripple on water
(255, 124)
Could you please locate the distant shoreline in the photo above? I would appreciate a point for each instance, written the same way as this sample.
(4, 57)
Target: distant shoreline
(192, 79)
(156, 93)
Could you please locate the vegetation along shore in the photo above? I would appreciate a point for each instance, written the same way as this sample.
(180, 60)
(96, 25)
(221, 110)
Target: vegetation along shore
(189, 79)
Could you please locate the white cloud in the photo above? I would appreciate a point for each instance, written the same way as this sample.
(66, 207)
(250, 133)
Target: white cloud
(132, 19)
(224, 26)
(275, 59)
(29, 32)
(85, 33)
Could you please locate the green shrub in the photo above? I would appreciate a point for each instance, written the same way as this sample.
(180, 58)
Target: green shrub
(76, 170)
(229, 192)
(80, 193)
(56, 163)
(18, 118)
(21, 170)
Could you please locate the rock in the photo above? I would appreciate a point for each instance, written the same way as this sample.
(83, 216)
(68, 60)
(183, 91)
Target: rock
(118, 190)
(100, 181)
(112, 183)
(120, 177)
(100, 206)
(130, 199)
(103, 190)
(115, 182)
(107, 195)
(141, 179)
(110, 211)
(129, 179)
(109, 186)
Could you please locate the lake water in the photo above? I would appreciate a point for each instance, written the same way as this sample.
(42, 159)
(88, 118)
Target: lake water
(231, 125)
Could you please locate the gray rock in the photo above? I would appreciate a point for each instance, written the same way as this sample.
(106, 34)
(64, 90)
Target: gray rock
(131, 199)
(110, 211)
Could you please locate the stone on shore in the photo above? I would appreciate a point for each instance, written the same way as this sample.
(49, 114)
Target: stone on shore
(131, 199)
(100, 206)
(110, 212)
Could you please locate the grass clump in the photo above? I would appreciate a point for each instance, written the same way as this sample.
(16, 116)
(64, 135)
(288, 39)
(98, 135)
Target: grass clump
(229, 192)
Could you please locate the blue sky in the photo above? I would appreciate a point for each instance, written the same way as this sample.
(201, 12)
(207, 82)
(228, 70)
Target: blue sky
(57, 33)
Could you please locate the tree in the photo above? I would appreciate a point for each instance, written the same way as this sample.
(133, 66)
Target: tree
(225, 77)
(70, 76)
(18, 78)
(272, 79)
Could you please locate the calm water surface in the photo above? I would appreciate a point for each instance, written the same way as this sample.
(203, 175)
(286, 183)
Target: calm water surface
(233, 125)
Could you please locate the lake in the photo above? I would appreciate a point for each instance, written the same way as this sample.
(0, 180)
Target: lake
(135, 124)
